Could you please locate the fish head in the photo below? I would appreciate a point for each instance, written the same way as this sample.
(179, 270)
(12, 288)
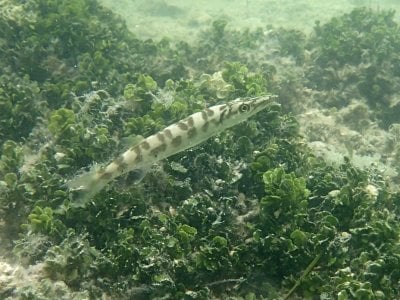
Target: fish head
(241, 109)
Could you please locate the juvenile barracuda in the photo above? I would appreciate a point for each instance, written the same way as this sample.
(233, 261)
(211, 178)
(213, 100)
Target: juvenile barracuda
(175, 138)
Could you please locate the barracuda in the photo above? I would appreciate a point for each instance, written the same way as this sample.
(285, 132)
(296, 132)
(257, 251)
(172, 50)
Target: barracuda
(175, 138)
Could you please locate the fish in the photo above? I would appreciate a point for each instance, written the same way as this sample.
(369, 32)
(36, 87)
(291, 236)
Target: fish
(173, 139)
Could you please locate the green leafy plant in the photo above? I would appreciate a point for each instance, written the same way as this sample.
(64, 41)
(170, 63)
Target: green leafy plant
(248, 214)
(357, 53)
(61, 121)
(43, 220)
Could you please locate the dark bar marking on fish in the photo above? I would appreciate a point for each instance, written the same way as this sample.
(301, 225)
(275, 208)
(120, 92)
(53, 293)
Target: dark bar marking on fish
(138, 158)
(204, 115)
(145, 145)
(205, 126)
(182, 126)
(158, 150)
(190, 121)
(122, 167)
(106, 176)
(176, 141)
(168, 133)
(210, 112)
(161, 137)
(192, 132)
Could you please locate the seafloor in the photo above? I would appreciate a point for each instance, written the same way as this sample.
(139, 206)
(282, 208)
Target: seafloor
(301, 202)
(182, 20)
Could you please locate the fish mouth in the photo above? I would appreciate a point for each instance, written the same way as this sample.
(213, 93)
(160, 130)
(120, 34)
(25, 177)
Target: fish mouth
(261, 102)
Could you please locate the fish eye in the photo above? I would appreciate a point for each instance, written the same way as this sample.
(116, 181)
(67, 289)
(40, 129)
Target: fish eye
(244, 108)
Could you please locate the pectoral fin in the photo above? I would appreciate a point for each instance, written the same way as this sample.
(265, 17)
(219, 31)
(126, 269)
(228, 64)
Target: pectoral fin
(135, 176)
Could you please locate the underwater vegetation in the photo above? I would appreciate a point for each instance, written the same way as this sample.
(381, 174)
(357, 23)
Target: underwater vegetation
(357, 54)
(249, 214)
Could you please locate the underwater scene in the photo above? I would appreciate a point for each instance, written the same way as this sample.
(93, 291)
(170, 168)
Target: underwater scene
(243, 149)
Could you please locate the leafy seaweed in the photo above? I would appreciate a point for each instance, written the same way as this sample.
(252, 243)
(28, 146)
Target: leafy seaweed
(248, 214)
(357, 53)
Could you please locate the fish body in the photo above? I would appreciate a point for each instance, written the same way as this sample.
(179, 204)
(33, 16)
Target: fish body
(175, 138)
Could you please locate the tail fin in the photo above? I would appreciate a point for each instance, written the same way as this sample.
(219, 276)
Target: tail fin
(85, 186)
